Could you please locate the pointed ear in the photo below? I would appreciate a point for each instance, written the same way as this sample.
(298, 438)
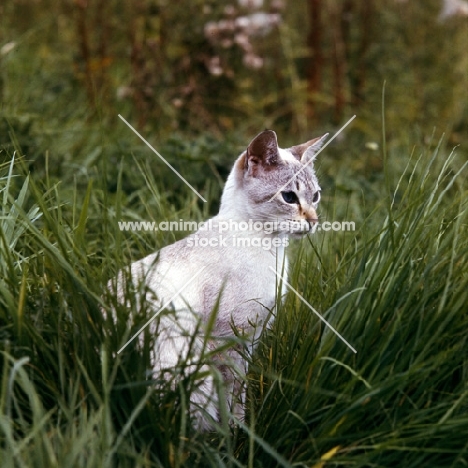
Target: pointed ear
(308, 150)
(262, 151)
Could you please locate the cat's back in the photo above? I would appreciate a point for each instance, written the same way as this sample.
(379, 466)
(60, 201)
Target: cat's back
(198, 268)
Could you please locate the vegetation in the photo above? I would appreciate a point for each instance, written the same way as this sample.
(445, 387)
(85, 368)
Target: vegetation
(396, 288)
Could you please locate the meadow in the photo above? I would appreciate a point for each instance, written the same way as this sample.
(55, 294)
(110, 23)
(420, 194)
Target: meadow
(395, 288)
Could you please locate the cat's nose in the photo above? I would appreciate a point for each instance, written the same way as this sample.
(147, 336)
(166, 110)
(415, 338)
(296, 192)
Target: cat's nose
(311, 216)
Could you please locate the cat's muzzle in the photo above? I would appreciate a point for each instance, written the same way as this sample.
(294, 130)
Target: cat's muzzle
(302, 227)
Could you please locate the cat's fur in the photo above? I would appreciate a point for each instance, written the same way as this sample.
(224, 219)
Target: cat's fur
(239, 277)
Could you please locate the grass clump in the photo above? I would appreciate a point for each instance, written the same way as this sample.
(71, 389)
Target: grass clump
(399, 297)
(395, 289)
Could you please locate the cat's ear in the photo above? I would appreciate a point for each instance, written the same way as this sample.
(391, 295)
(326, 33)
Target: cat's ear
(262, 151)
(307, 151)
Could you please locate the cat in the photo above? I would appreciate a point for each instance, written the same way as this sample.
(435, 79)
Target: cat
(230, 273)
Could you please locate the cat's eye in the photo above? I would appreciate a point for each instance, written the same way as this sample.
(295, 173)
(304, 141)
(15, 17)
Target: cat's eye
(316, 197)
(290, 197)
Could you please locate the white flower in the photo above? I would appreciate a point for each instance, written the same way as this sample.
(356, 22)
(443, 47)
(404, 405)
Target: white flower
(258, 24)
(453, 8)
(253, 61)
(7, 48)
(250, 4)
(277, 5)
(214, 66)
(229, 10)
(211, 30)
(124, 92)
(372, 145)
(242, 40)
(226, 25)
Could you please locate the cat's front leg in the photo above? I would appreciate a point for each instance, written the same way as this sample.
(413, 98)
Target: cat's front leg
(178, 354)
(233, 369)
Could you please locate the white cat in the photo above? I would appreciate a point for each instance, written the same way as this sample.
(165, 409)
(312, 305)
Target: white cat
(235, 267)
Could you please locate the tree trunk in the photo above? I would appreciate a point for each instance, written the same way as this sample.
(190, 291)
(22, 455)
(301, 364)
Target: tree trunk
(314, 69)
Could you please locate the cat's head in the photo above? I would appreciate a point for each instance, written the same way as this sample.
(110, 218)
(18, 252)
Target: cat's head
(271, 184)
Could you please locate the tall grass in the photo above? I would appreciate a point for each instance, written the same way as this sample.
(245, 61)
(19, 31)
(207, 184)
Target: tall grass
(398, 294)
(395, 289)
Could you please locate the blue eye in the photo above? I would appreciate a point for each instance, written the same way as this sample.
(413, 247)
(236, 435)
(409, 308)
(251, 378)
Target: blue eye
(290, 197)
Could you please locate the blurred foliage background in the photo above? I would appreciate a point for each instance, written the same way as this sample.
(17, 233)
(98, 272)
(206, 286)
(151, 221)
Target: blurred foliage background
(231, 67)
(200, 78)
